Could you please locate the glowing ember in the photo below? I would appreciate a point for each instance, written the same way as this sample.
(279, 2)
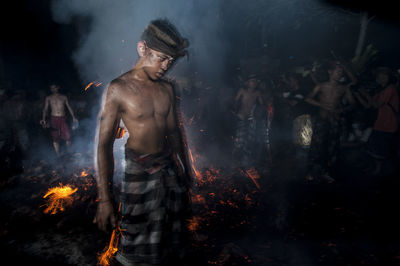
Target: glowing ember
(198, 199)
(84, 173)
(94, 83)
(59, 197)
(120, 133)
(194, 223)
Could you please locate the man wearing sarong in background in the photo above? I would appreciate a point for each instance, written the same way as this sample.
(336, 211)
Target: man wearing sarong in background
(154, 193)
(246, 125)
(58, 120)
(325, 143)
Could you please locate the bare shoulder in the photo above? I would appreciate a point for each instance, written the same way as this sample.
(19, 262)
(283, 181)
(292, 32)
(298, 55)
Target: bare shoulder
(119, 86)
(168, 87)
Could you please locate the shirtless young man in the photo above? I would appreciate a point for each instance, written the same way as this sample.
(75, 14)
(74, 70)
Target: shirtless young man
(245, 104)
(154, 193)
(327, 96)
(58, 120)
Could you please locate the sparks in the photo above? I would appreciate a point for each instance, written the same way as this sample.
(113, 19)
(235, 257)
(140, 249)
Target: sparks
(93, 83)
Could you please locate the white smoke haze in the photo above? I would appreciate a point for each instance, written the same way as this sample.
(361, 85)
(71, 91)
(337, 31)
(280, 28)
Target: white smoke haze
(108, 48)
(110, 32)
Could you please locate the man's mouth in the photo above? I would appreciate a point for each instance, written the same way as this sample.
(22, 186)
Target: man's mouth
(159, 74)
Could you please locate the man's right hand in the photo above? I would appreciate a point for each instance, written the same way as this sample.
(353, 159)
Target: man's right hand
(105, 216)
(43, 123)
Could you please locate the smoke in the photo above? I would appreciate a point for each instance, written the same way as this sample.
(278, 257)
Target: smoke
(110, 32)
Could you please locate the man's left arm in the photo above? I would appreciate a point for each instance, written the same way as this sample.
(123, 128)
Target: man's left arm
(177, 139)
(70, 110)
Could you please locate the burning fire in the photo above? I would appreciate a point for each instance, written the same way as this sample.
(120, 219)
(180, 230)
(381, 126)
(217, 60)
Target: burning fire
(104, 259)
(109, 252)
(94, 83)
(59, 197)
(84, 173)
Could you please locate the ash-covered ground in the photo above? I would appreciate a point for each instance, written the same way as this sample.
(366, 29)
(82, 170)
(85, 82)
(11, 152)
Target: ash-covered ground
(277, 217)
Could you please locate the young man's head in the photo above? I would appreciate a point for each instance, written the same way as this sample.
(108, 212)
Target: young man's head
(54, 88)
(160, 46)
(335, 71)
(383, 76)
(252, 82)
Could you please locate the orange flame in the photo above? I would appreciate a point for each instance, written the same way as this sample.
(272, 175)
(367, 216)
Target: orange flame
(109, 252)
(196, 172)
(84, 173)
(104, 259)
(59, 197)
(120, 133)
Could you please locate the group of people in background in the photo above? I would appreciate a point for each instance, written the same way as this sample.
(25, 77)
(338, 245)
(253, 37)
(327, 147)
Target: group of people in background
(257, 118)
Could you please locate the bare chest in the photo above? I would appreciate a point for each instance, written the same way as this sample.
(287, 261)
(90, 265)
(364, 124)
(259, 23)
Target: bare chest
(146, 105)
(331, 94)
(249, 98)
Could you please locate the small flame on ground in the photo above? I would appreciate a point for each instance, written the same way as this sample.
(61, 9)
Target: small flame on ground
(59, 197)
(105, 258)
(84, 173)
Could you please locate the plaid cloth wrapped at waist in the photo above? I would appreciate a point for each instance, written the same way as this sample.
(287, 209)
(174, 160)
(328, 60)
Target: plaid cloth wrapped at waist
(153, 208)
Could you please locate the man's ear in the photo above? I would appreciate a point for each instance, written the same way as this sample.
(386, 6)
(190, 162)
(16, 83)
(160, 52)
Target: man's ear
(141, 48)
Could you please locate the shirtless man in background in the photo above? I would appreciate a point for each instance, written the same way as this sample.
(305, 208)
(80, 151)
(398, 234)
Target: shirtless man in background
(154, 191)
(245, 103)
(58, 121)
(327, 96)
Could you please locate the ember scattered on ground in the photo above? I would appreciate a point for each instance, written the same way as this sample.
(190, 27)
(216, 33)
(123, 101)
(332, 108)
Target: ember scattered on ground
(240, 216)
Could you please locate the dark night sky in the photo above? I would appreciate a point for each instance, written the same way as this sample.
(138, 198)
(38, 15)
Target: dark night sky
(39, 50)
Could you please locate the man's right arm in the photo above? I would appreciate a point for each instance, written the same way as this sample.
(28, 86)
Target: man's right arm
(311, 96)
(44, 112)
(310, 99)
(237, 100)
(109, 122)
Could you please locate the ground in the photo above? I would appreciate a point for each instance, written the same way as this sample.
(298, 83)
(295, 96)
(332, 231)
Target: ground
(277, 217)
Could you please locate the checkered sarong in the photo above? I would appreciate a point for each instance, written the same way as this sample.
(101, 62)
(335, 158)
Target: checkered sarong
(153, 207)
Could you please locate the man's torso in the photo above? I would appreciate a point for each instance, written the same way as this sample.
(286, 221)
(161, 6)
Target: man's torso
(144, 107)
(248, 101)
(330, 95)
(57, 104)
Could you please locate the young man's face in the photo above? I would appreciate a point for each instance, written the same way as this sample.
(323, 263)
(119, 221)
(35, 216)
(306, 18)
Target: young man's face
(156, 63)
(54, 88)
(336, 73)
(252, 83)
(382, 79)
